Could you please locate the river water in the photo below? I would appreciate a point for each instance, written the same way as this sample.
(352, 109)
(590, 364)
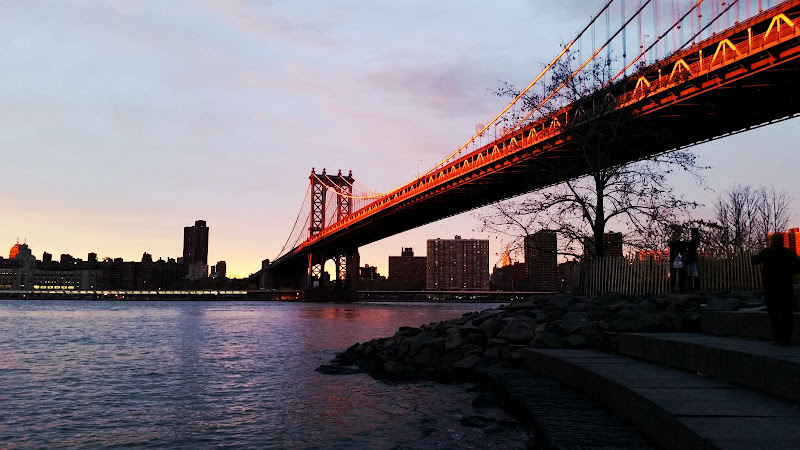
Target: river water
(221, 374)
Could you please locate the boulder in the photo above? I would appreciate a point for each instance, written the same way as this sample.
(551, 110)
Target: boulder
(548, 340)
(584, 307)
(572, 322)
(398, 370)
(576, 341)
(518, 330)
(521, 306)
(469, 362)
(553, 312)
(560, 301)
(641, 323)
(427, 358)
(723, 304)
(336, 369)
(453, 339)
(491, 327)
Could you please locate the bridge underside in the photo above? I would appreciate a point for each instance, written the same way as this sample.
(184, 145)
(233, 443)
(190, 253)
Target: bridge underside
(754, 92)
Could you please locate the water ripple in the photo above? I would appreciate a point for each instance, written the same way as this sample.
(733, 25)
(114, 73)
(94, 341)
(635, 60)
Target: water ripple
(221, 375)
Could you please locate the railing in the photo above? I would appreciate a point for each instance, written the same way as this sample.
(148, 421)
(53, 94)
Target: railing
(651, 276)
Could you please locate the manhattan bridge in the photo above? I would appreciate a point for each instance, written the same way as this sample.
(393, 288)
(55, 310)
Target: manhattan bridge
(681, 72)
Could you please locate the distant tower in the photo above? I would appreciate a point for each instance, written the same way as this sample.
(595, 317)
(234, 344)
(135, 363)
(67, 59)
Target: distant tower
(541, 261)
(195, 250)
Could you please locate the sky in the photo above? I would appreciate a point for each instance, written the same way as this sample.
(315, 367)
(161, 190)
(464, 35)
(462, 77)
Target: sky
(121, 122)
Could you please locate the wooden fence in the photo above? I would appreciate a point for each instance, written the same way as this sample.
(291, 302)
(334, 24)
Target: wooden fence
(716, 273)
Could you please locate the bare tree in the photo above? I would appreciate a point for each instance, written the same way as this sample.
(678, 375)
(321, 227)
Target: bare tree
(744, 216)
(636, 197)
(773, 212)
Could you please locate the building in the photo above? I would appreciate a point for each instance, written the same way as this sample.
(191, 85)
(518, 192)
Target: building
(457, 264)
(407, 272)
(219, 270)
(509, 277)
(612, 246)
(541, 261)
(369, 273)
(791, 240)
(195, 250)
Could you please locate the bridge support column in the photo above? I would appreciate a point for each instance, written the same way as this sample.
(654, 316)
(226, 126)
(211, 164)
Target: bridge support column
(353, 263)
(316, 266)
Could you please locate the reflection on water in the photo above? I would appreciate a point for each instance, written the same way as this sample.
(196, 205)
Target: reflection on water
(197, 374)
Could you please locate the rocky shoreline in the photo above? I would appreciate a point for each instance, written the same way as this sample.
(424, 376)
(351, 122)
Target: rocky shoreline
(457, 349)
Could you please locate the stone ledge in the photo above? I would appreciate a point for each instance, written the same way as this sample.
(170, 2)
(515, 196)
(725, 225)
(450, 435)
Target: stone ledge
(751, 363)
(750, 324)
(670, 406)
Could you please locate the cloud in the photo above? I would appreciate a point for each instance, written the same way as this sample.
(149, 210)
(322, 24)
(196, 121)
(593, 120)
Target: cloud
(252, 18)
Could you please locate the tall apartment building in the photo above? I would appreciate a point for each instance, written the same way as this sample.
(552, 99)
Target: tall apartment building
(541, 261)
(407, 272)
(791, 239)
(195, 250)
(457, 264)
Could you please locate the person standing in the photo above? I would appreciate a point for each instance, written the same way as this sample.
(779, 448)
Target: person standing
(779, 264)
(693, 278)
(677, 266)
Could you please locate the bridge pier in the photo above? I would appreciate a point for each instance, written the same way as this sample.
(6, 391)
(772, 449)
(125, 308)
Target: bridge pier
(345, 277)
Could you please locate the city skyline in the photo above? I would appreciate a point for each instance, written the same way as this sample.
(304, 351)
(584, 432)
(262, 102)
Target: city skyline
(126, 121)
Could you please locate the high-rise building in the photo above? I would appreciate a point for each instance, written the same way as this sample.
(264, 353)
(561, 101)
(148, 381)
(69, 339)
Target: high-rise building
(457, 264)
(791, 240)
(407, 272)
(541, 261)
(195, 250)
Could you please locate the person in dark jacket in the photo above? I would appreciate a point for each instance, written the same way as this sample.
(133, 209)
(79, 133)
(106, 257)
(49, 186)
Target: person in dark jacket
(692, 276)
(677, 251)
(779, 264)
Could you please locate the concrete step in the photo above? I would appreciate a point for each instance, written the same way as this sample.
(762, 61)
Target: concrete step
(674, 408)
(751, 324)
(749, 362)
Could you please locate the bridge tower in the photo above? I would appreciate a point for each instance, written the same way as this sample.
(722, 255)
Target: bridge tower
(342, 187)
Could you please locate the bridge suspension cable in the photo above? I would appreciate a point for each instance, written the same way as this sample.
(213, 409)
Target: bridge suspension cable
(699, 19)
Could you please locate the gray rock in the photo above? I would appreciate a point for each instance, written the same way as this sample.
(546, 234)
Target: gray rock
(518, 330)
(469, 362)
(427, 358)
(453, 339)
(561, 301)
(646, 307)
(548, 340)
(611, 298)
(521, 306)
(643, 323)
(584, 307)
(577, 341)
(553, 312)
(484, 400)
(477, 339)
(497, 342)
(491, 327)
(436, 344)
(399, 370)
(491, 355)
(723, 304)
(336, 369)
(572, 322)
